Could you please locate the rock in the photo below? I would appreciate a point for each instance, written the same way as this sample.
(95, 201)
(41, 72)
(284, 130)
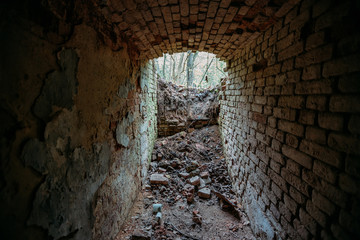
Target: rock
(202, 183)
(189, 193)
(195, 180)
(158, 179)
(197, 217)
(194, 173)
(189, 188)
(190, 130)
(175, 163)
(192, 166)
(161, 170)
(158, 217)
(204, 174)
(184, 175)
(157, 207)
(207, 180)
(147, 187)
(140, 236)
(163, 164)
(204, 193)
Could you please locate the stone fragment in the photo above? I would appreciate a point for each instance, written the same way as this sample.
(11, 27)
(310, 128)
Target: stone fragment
(207, 180)
(157, 207)
(161, 170)
(204, 174)
(189, 193)
(202, 183)
(204, 193)
(192, 166)
(195, 180)
(197, 217)
(139, 235)
(158, 179)
(184, 175)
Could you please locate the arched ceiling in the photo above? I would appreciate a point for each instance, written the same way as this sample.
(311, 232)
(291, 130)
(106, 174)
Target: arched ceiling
(221, 27)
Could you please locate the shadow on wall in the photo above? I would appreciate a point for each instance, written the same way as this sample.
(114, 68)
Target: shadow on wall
(66, 170)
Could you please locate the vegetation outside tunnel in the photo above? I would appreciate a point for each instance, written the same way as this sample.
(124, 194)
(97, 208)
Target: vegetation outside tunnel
(191, 69)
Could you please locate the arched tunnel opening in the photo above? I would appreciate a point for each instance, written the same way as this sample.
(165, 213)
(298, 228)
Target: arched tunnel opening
(79, 102)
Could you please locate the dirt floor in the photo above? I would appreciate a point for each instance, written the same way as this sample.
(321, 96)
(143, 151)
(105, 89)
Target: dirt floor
(183, 167)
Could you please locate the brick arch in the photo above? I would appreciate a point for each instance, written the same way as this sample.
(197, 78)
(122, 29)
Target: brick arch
(154, 27)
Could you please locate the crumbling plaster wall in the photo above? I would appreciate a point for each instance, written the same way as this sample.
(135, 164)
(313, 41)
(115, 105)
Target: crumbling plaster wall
(290, 122)
(65, 109)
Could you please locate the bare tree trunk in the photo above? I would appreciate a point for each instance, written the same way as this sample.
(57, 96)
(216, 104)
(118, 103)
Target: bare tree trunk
(156, 64)
(173, 68)
(164, 67)
(190, 68)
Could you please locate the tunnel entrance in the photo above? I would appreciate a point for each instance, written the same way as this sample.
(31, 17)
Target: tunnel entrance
(188, 192)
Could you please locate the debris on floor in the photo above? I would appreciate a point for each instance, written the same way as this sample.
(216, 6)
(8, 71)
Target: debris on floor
(188, 194)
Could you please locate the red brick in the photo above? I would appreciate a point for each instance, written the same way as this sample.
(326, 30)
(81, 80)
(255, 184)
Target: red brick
(316, 103)
(290, 127)
(295, 181)
(324, 154)
(315, 40)
(284, 211)
(285, 113)
(272, 70)
(316, 55)
(331, 121)
(292, 140)
(285, 43)
(344, 143)
(345, 103)
(296, 195)
(300, 228)
(319, 216)
(297, 102)
(323, 203)
(334, 194)
(299, 21)
(278, 180)
(316, 134)
(311, 72)
(258, 117)
(307, 221)
(325, 171)
(307, 117)
(291, 51)
(184, 8)
(293, 167)
(343, 65)
(276, 156)
(323, 86)
(297, 156)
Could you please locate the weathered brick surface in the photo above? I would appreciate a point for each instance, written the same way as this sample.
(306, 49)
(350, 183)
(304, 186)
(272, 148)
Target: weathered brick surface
(308, 96)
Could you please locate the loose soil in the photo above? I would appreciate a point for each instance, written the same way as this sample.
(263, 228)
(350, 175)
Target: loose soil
(184, 214)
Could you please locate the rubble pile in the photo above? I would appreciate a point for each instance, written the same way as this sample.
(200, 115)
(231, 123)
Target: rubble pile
(188, 177)
(180, 108)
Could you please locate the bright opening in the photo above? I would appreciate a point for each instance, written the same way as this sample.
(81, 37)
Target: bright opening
(191, 69)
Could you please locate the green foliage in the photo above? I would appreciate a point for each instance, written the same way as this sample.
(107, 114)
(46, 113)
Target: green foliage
(200, 69)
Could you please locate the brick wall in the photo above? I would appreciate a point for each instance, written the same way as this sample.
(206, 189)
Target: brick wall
(290, 114)
(148, 110)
